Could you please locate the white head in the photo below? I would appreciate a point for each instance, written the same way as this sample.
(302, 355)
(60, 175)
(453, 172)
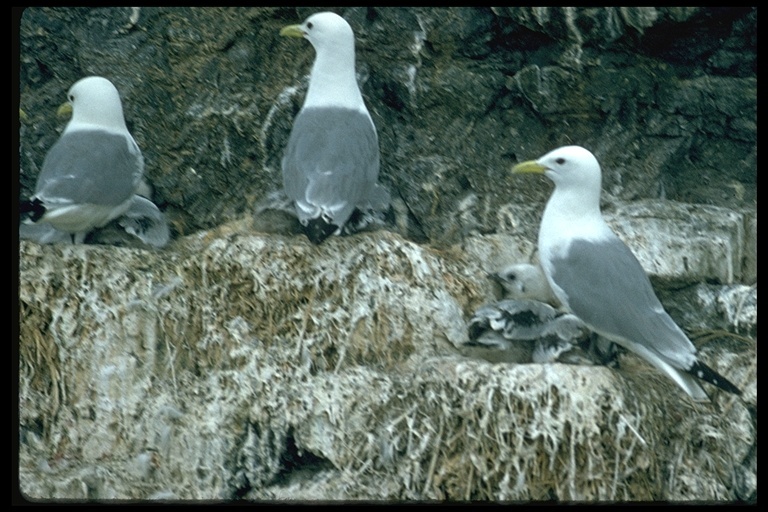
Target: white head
(325, 30)
(524, 281)
(332, 80)
(577, 178)
(568, 167)
(95, 101)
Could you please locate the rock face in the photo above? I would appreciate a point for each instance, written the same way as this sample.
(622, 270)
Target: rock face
(238, 364)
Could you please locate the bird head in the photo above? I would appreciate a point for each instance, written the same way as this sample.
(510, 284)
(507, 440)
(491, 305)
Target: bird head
(568, 166)
(323, 30)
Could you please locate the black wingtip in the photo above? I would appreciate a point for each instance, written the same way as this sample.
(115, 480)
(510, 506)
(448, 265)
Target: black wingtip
(33, 209)
(317, 230)
(707, 374)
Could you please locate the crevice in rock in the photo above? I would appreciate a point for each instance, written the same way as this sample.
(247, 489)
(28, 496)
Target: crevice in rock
(298, 464)
(242, 490)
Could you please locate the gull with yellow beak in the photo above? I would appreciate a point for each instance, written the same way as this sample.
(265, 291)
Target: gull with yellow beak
(595, 275)
(331, 162)
(92, 174)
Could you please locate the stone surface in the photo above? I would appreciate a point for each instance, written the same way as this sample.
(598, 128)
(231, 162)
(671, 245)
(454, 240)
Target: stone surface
(684, 242)
(239, 365)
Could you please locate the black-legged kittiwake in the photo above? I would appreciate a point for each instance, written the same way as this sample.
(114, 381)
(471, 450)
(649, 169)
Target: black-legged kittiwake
(595, 275)
(331, 161)
(527, 331)
(526, 325)
(92, 175)
(524, 281)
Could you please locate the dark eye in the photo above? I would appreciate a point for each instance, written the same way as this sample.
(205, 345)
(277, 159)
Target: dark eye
(71, 97)
(511, 277)
(560, 161)
(309, 25)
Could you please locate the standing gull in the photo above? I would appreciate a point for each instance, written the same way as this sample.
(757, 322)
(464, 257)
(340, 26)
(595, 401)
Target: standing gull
(331, 162)
(92, 174)
(595, 275)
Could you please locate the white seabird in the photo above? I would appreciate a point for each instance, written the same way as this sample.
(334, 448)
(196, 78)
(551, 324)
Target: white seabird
(595, 275)
(524, 281)
(331, 161)
(92, 174)
(528, 325)
(528, 331)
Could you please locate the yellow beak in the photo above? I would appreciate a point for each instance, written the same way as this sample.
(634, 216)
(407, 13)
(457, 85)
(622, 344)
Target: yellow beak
(531, 166)
(292, 31)
(64, 110)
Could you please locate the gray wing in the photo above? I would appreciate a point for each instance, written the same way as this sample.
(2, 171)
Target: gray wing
(561, 340)
(608, 289)
(90, 167)
(332, 161)
(530, 330)
(144, 220)
(513, 319)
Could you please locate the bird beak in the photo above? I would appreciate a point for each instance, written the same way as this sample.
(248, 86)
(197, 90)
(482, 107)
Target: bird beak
(494, 277)
(292, 31)
(65, 110)
(531, 166)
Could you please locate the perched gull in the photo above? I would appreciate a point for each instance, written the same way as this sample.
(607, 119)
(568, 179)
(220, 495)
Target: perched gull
(331, 162)
(92, 174)
(597, 277)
